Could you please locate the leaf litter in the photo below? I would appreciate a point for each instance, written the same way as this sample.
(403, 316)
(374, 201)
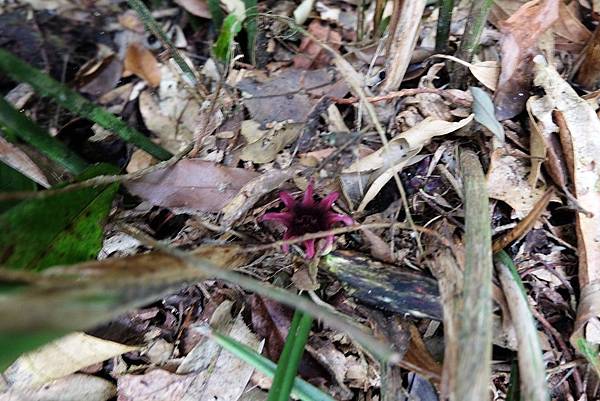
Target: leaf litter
(303, 107)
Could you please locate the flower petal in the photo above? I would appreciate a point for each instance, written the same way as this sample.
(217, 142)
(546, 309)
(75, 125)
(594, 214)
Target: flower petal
(287, 199)
(328, 201)
(308, 199)
(309, 246)
(339, 218)
(282, 217)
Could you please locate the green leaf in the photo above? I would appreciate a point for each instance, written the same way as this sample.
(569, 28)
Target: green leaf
(483, 108)
(11, 181)
(231, 27)
(61, 229)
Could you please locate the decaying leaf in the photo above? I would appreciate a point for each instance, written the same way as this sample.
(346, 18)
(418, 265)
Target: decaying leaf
(589, 72)
(288, 95)
(519, 43)
(581, 143)
(198, 8)
(507, 181)
(264, 145)
(61, 358)
(193, 185)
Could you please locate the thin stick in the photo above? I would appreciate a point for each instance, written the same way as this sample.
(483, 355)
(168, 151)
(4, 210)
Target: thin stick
(379, 350)
(443, 26)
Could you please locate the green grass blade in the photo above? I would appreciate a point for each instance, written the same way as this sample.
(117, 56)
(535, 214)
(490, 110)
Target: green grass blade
(230, 28)
(287, 366)
(301, 389)
(251, 29)
(43, 84)
(28, 131)
(217, 14)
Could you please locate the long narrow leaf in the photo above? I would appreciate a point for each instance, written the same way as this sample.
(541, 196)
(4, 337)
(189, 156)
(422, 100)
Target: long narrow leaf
(302, 389)
(42, 83)
(28, 131)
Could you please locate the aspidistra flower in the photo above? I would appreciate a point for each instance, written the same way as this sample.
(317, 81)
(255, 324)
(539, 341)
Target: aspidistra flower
(306, 216)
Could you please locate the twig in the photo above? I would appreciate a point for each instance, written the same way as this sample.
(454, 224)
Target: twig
(378, 349)
(343, 230)
(97, 181)
(407, 92)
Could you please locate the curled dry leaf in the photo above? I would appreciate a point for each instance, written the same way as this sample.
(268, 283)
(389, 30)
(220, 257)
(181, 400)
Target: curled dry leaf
(519, 42)
(581, 144)
(193, 185)
(140, 61)
(486, 72)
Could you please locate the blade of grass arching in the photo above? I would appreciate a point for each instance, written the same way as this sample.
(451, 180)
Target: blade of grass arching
(301, 389)
(222, 47)
(531, 363)
(151, 24)
(473, 371)
(287, 370)
(28, 131)
(251, 29)
(43, 84)
(590, 352)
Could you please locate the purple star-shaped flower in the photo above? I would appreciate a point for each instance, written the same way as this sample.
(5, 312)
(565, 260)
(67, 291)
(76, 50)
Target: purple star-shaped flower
(305, 216)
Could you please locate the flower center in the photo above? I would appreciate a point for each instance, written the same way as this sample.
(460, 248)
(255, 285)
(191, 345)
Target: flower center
(308, 220)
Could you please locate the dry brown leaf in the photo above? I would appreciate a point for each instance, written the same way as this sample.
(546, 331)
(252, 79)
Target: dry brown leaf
(519, 42)
(193, 185)
(507, 181)
(581, 143)
(17, 159)
(589, 72)
(571, 34)
(142, 63)
(61, 358)
(378, 247)
(311, 55)
(198, 8)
